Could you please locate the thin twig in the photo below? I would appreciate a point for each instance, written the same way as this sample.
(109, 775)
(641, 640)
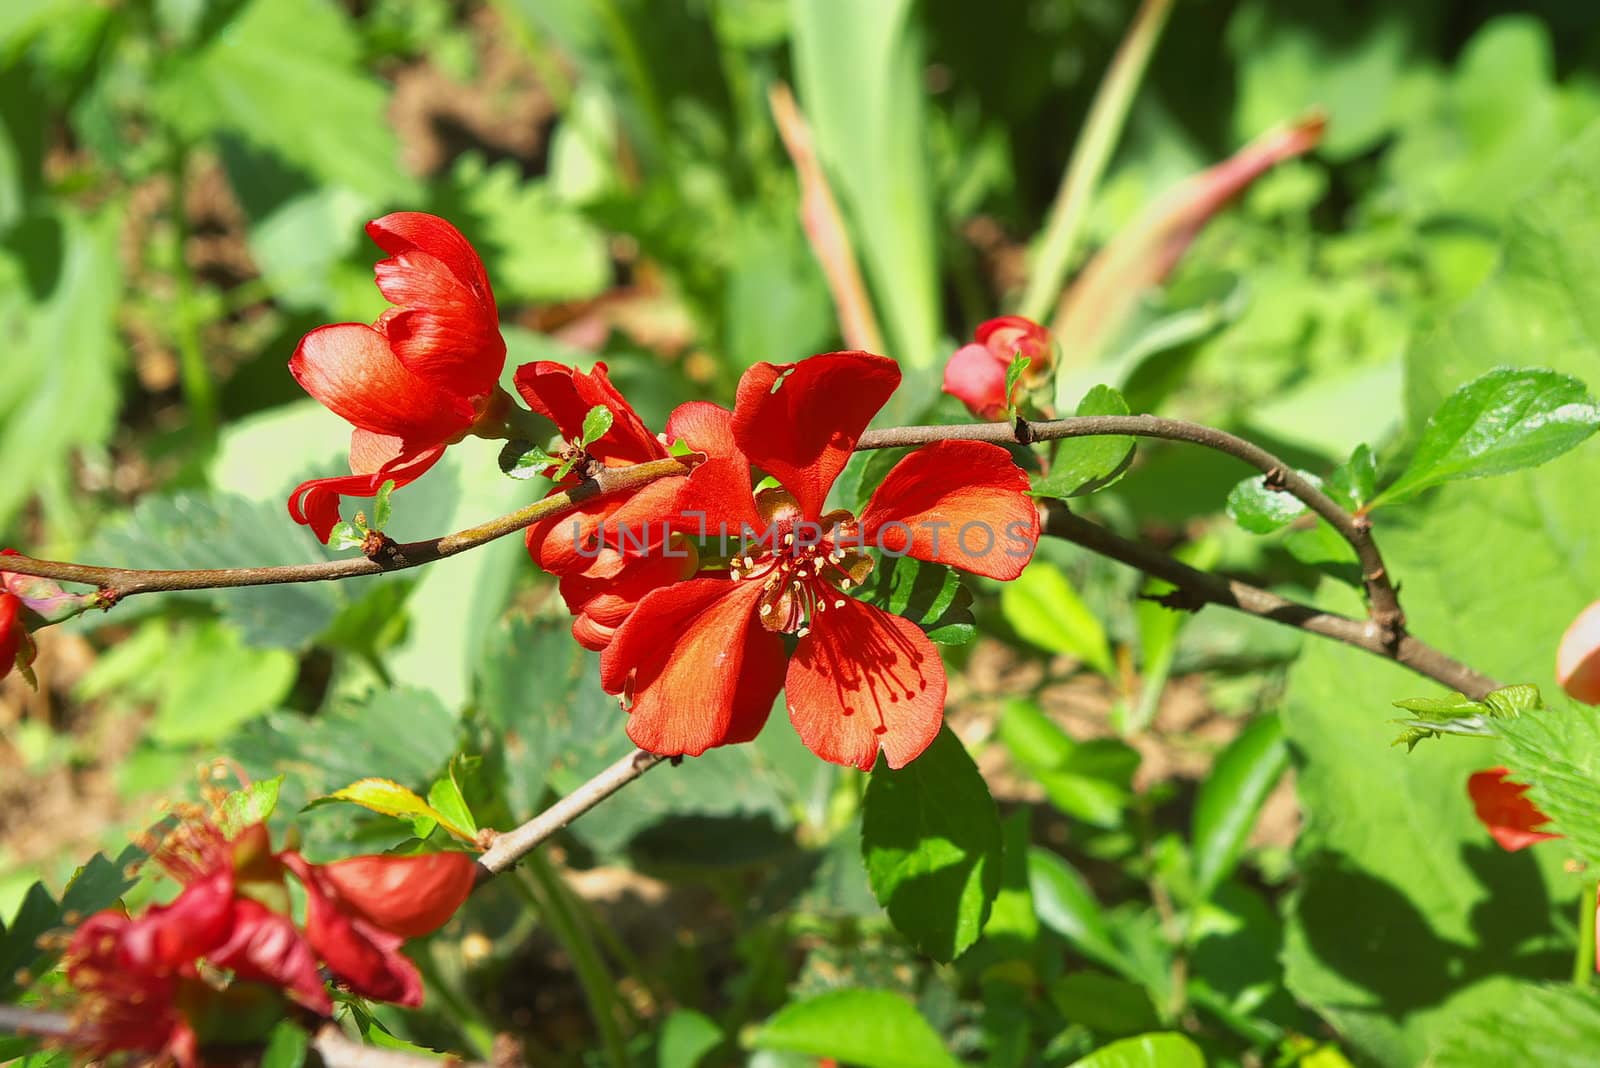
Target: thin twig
(1387, 624)
(36, 1023)
(513, 845)
(824, 226)
(118, 582)
(1200, 588)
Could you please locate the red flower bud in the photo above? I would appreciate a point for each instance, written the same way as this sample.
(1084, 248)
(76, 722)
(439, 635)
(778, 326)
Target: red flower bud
(1510, 817)
(1578, 657)
(407, 896)
(976, 373)
(1012, 335)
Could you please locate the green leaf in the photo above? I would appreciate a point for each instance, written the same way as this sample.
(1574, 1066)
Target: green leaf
(1013, 925)
(596, 423)
(1231, 797)
(1547, 1024)
(1104, 1003)
(869, 1028)
(1044, 609)
(1503, 421)
(95, 886)
(1556, 752)
(930, 595)
(286, 1046)
(345, 535)
(1162, 1049)
(1092, 781)
(523, 460)
(1067, 907)
(381, 508)
(1261, 509)
(1355, 482)
(686, 1037)
(254, 804)
(1084, 465)
(445, 798)
(930, 835)
(1019, 363)
(286, 76)
(391, 799)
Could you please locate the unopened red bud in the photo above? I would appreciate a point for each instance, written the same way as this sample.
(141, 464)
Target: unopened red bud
(1578, 657)
(407, 896)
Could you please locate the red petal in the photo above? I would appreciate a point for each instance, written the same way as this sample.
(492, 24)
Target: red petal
(701, 670)
(168, 938)
(603, 595)
(1578, 658)
(316, 503)
(1500, 805)
(962, 503)
(353, 372)
(636, 523)
(408, 896)
(566, 396)
(704, 427)
(403, 231)
(1011, 336)
(976, 378)
(367, 959)
(440, 330)
(864, 680)
(11, 633)
(798, 422)
(265, 947)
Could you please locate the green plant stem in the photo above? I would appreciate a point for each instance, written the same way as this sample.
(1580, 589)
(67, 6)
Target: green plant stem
(1583, 960)
(630, 58)
(1090, 154)
(199, 391)
(467, 1017)
(540, 886)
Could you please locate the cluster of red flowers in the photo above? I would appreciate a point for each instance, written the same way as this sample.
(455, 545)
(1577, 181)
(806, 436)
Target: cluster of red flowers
(697, 639)
(215, 965)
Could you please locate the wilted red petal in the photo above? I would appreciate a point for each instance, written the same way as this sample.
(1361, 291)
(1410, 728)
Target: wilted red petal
(315, 503)
(1101, 299)
(353, 372)
(962, 503)
(799, 422)
(170, 937)
(408, 896)
(264, 946)
(702, 672)
(864, 680)
(11, 632)
(704, 427)
(1578, 658)
(565, 396)
(118, 1006)
(367, 959)
(1510, 817)
(977, 378)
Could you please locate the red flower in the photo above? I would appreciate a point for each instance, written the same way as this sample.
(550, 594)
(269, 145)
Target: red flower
(976, 373)
(16, 648)
(1512, 819)
(1578, 658)
(121, 1005)
(602, 578)
(699, 662)
(420, 378)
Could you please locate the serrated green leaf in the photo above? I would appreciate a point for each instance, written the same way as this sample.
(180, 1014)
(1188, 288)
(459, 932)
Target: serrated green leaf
(1104, 1003)
(1231, 797)
(1084, 465)
(1503, 421)
(1546, 1024)
(1163, 1049)
(930, 835)
(95, 886)
(1556, 752)
(249, 806)
(1261, 509)
(523, 460)
(1044, 609)
(344, 535)
(445, 798)
(1514, 700)
(596, 423)
(870, 1028)
(930, 595)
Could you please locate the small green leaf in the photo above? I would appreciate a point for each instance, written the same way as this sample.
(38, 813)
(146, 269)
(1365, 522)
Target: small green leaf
(1067, 907)
(596, 423)
(1044, 609)
(1514, 700)
(252, 805)
(1557, 754)
(1260, 509)
(1091, 781)
(1084, 465)
(1503, 421)
(1013, 924)
(345, 536)
(521, 459)
(391, 799)
(870, 1028)
(286, 1047)
(445, 798)
(1019, 363)
(1451, 706)
(930, 834)
(1104, 1003)
(1162, 1049)
(381, 508)
(1231, 797)
(686, 1037)
(1355, 482)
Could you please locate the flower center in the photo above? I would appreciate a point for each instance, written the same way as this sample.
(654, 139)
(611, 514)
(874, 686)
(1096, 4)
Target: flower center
(802, 566)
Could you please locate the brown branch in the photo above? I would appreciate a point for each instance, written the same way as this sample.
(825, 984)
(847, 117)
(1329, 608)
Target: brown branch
(513, 845)
(116, 583)
(1387, 620)
(1198, 588)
